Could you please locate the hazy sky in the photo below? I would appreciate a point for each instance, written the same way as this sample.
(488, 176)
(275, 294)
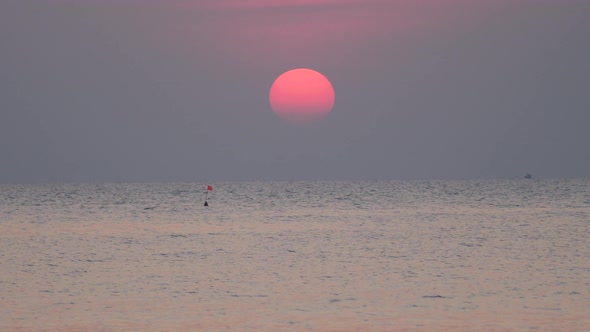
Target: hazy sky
(177, 90)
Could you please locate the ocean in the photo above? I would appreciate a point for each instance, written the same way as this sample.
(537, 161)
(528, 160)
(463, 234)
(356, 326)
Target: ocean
(465, 255)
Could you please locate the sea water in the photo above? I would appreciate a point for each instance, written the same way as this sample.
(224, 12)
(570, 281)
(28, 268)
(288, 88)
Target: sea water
(489, 255)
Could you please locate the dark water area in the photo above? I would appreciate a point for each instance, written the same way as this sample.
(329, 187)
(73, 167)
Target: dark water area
(488, 255)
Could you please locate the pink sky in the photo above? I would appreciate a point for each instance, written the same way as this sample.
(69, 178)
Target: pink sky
(304, 30)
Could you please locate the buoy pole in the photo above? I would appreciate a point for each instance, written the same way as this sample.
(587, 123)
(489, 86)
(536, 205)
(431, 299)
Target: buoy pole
(209, 188)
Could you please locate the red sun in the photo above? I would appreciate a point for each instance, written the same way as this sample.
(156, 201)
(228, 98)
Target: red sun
(301, 96)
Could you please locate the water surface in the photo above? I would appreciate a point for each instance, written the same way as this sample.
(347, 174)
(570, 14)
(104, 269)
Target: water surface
(493, 255)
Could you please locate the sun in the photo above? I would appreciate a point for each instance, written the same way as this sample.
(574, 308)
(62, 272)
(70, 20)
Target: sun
(301, 96)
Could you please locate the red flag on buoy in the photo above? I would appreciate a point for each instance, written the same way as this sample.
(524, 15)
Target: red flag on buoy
(209, 188)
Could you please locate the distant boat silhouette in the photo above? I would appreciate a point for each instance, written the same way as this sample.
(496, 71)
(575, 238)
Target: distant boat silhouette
(528, 176)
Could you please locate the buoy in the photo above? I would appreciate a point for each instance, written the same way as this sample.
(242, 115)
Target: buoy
(205, 204)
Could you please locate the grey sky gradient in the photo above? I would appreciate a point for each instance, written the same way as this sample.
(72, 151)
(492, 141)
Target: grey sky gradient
(130, 90)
